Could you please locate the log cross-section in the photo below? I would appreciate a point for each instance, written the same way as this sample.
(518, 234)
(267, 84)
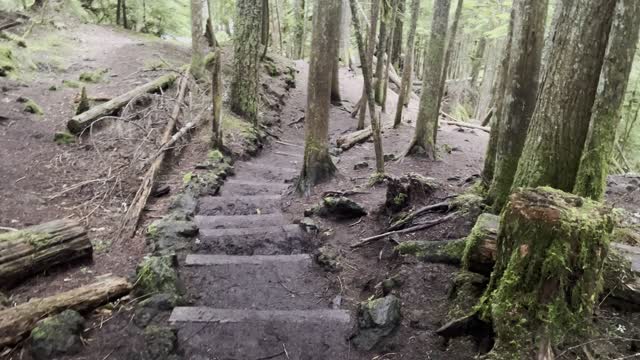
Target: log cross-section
(34, 249)
(80, 122)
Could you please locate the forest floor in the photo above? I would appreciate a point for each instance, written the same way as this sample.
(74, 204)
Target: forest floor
(43, 180)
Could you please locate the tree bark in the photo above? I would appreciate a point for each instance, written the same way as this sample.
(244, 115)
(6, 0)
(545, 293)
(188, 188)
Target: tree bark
(246, 45)
(387, 65)
(37, 248)
(594, 165)
(368, 86)
(476, 61)
(317, 164)
(298, 30)
(17, 322)
(407, 71)
(335, 73)
(382, 47)
(79, 123)
(124, 14)
(449, 54)
(216, 95)
(396, 43)
(426, 125)
(264, 28)
(197, 39)
(521, 81)
(560, 123)
(369, 50)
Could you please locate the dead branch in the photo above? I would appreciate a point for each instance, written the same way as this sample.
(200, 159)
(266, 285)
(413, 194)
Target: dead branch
(132, 216)
(456, 122)
(409, 218)
(412, 229)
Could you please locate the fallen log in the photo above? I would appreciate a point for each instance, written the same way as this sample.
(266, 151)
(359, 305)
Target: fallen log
(350, 140)
(456, 122)
(477, 252)
(37, 248)
(17, 322)
(132, 216)
(79, 123)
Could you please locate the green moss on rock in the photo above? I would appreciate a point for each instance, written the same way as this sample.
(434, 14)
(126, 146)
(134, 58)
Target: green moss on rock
(64, 138)
(57, 336)
(7, 62)
(93, 76)
(33, 108)
(156, 274)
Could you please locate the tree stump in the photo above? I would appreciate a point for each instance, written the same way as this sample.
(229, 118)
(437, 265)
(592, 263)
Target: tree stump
(37, 248)
(548, 275)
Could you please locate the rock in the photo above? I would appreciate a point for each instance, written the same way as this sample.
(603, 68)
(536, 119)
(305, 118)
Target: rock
(418, 320)
(160, 343)
(465, 293)
(389, 157)
(308, 225)
(389, 284)
(631, 188)
(168, 235)
(376, 319)
(148, 309)
(56, 336)
(339, 207)
(64, 138)
(156, 274)
(4, 301)
(328, 259)
(361, 165)
(31, 107)
(161, 190)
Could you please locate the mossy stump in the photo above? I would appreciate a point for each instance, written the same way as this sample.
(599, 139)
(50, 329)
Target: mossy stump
(549, 271)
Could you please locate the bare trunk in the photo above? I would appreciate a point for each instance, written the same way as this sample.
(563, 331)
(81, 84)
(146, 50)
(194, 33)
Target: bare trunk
(371, 44)
(197, 39)
(405, 87)
(216, 95)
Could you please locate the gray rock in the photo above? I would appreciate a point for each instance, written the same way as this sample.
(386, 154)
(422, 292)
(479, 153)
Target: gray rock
(156, 275)
(328, 259)
(340, 207)
(148, 309)
(389, 157)
(376, 319)
(56, 336)
(308, 225)
(160, 343)
(168, 235)
(361, 165)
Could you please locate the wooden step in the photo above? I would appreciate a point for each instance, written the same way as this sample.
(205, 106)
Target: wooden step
(239, 221)
(239, 205)
(247, 187)
(266, 240)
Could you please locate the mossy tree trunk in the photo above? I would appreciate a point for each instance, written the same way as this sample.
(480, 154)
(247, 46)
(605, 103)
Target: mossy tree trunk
(451, 44)
(369, 50)
(548, 274)
(317, 165)
(389, 50)
(197, 39)
(246, 46)
(560, 122)
(335, 73)
(396, 40)
(498, 94)
(298, 29)
(407, 78)
(368, 87)
(521, 80)
(216, 97)
(476, 60)
(380, 54)
(426, 125)
(598, 150)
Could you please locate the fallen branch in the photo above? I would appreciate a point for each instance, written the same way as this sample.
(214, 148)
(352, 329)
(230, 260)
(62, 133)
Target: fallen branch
(132, 216)
(412, 229)
(409, 218)
(79, 123)
(17, 322)
(9, 25)
(299, 120)
(487, 118)
(456, 122)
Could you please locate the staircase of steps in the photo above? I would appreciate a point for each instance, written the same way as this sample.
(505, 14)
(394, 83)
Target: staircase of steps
(255, 290)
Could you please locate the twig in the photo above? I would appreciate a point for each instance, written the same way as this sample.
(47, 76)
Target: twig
(271, 356)
(456, 122)
(355, 223)
(401, 223)
(7, 228)
(299, 120)
(426, 225)
(284, 348)
(343, 193)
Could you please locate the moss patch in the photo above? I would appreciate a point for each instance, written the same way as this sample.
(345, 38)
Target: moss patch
(71, 84)
(7, 62)
(64, 138)
(156, 274)
(93, 76)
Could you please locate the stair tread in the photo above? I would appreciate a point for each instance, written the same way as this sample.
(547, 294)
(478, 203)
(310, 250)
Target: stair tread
(239, 221)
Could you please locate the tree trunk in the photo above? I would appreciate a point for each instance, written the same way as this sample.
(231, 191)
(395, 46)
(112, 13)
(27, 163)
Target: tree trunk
(560, 123)
(368, 86)
(382, 42)
(17, 322)
(210, 32)
(426, 125)
(407, 79)
(548, 274)
(594, 165)
(387, 65)
(476, 61)
(216, 95)
(317, 165)
(246, 45)
(37, 248)
(264, 33)
(396, 42)
(369, 50)
(449, 54)
(521, 81)
(197, 39)
(79, 123)
(118, 12)
(298, 30)
(124, 14)
(499, 90)
(335, 73)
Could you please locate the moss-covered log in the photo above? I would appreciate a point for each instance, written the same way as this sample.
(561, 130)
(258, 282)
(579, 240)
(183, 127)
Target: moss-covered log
(34, 249)
(17, 322)
(548, 275)
(79, 123)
